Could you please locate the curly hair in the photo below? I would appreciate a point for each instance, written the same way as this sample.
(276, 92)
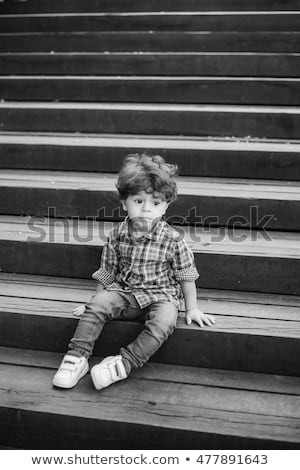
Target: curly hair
(142, 172)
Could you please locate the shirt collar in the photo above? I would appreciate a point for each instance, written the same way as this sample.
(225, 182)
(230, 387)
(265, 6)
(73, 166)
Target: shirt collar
(154, 234)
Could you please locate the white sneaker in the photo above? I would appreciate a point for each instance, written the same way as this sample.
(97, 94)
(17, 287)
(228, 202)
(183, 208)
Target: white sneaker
(71, 370)
(108, 371)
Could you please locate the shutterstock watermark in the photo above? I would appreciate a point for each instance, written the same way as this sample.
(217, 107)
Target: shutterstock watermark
(236, 228)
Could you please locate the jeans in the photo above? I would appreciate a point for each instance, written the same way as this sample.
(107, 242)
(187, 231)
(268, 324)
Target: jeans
(160, 321)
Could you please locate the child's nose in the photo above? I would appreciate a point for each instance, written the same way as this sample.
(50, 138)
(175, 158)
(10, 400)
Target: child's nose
(146, 206)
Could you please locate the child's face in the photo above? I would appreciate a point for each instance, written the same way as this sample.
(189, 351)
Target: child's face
(147, 207)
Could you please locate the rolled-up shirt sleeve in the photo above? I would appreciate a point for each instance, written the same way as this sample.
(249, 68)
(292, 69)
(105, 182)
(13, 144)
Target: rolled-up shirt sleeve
(183, 262)
(106, 274)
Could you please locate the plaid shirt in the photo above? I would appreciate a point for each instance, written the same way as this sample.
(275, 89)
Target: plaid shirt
(150, 267)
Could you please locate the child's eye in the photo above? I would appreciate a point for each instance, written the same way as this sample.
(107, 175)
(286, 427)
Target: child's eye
(156, 203)
(139, 201)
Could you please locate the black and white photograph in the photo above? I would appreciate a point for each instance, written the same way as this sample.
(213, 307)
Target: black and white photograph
(150, 233)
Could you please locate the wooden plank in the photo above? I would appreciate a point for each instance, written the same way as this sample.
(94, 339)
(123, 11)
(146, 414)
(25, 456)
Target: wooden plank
(219, 158)
(234, 322)
(46, 287)
(232, 203)
(241, 261)
(237, 380)
(241, 304)
(268, 91)
(262, 399)
(193, 186)
(78, 290)
(203, 64)
(143, 404)
(258, 41)
(197, 120)
(162, 21)
(201, 240)
(248, 304)
(236, 342)
(230, 318)
(61, 433)
(252, 274)
(152, 5)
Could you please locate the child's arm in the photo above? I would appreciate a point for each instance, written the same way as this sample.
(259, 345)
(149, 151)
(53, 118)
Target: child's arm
(78, 311)
(192, 311)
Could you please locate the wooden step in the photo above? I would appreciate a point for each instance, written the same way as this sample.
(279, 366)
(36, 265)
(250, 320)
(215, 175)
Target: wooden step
(149, 63)
(151, 41)
(152, 409)
(212, 301)
(253, 332)
(96, 6)
(153, 89)
(194, 157)
(265, 205)
(156, 21)
(154, 119)
(241, 260)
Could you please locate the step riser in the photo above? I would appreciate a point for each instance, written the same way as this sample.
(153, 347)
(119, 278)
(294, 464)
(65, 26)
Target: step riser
(252, 65)
(251, 212)
(27, 429)
(97, 6)
(245, 352)
(217, 163)
(217, 271)
(138, 413)
(159, 22)
(159, 91)
(172, 122)
(154, 42)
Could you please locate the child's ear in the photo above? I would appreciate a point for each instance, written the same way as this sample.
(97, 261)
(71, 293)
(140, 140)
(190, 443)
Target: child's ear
(124, 206)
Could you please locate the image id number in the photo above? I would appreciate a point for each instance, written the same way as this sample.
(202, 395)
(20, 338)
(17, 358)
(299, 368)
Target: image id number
(231, 459)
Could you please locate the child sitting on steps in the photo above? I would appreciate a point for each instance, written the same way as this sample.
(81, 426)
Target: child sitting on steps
(145, 267)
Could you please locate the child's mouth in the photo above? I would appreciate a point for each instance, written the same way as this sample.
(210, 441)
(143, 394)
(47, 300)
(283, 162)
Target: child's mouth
(142, 224)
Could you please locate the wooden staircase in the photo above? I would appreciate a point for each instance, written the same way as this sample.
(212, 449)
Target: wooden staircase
(212, 85)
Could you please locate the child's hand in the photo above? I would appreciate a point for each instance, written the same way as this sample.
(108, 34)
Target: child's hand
(199, 317)
(78, 311)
